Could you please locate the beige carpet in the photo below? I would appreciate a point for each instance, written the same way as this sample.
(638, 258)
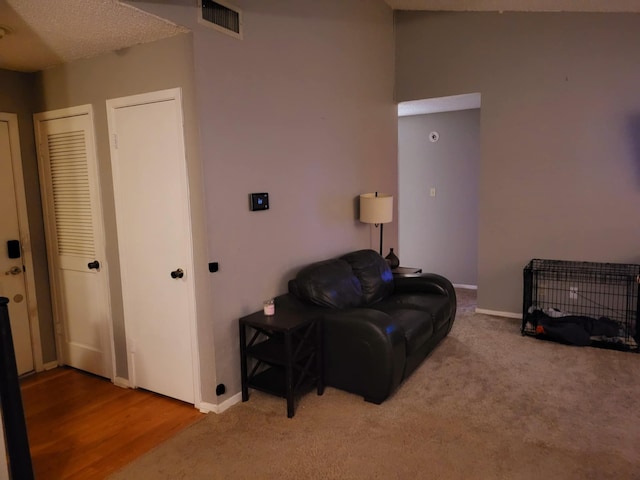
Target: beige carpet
(487, 404)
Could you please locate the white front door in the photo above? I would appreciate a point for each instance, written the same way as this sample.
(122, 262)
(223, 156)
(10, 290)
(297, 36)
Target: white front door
(75, 238)
(154, 239)
(12, 270)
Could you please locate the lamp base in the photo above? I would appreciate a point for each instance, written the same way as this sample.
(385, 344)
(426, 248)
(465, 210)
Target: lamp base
(392, 259)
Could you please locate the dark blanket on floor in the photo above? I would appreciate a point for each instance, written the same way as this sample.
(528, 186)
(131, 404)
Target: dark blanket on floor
(573, 329)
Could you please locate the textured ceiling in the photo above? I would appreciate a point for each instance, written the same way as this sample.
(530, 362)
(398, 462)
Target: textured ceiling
(519, 5)
(44, 33)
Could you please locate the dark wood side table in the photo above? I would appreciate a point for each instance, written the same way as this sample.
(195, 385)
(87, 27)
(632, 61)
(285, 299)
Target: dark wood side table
(285, 353)
(406, 271)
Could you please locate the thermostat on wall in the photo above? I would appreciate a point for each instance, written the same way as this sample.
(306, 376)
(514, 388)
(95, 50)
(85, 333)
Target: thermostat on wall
(258, 201)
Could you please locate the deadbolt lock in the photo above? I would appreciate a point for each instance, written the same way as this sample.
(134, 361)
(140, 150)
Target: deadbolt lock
(13, 271)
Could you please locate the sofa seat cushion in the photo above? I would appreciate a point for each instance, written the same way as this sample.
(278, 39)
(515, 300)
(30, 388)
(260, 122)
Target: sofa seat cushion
(438, 306)
(416, 326)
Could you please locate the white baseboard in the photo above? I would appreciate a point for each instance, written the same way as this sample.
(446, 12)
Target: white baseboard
(121, 382)
(50, 365)
(499, 314)
(206, 407)
(468, 287)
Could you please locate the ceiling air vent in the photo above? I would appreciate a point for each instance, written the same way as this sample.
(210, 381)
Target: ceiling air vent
(221, 16)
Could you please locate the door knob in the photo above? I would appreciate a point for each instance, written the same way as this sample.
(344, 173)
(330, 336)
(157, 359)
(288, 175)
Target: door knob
(13, 271)
(93, 265)
(179, 273)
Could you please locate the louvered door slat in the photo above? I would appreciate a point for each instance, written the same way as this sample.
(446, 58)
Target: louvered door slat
(71, 193)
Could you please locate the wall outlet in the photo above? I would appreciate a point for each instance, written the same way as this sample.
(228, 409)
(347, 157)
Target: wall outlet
(573, 293)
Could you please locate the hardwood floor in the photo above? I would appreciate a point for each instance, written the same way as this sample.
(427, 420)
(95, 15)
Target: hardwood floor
(83, 427)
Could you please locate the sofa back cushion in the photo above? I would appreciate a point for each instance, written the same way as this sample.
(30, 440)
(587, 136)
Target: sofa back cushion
(330, 283)
(374, 274)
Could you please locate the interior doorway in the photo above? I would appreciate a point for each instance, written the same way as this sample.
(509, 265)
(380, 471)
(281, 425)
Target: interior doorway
(438, 185)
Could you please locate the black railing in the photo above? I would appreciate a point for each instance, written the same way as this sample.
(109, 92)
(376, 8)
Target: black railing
(15, 427)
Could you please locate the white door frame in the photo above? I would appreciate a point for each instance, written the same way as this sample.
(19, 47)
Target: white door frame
(141, 99)
(99, 236)
(25, 239)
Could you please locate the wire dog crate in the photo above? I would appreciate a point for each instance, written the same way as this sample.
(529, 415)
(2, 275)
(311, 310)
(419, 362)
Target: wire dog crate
(582, 303)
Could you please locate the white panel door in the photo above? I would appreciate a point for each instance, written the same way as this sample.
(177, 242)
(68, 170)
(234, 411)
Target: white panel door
(75, 238)
(12, 275)
(154, 240)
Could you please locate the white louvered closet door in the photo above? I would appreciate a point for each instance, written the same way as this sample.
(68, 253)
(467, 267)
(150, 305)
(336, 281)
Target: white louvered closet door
(75, 244)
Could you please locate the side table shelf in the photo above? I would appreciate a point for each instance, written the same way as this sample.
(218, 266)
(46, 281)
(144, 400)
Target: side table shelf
(282, 357)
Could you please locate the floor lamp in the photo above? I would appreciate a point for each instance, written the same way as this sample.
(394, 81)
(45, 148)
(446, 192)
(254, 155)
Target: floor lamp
(376, 208)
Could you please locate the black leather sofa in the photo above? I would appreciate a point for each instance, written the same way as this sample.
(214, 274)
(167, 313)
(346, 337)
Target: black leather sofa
(377, 329)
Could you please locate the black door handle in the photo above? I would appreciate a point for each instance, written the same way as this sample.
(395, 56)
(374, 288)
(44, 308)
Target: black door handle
(93, 265)
(177, 273)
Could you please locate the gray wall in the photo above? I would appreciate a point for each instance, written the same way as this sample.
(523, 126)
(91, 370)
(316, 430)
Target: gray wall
(154, 66)
(301, 108)
(440, 234)
(560, 122)
(19, 94)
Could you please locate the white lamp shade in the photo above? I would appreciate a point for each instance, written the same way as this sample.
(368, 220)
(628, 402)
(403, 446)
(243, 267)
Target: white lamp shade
(376, 209)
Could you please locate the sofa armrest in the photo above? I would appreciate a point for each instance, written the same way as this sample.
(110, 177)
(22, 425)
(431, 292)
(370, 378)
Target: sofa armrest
(424, 283)
(364, 352)
(429, 283)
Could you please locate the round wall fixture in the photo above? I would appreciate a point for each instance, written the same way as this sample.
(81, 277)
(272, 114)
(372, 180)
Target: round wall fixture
(434, 136)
